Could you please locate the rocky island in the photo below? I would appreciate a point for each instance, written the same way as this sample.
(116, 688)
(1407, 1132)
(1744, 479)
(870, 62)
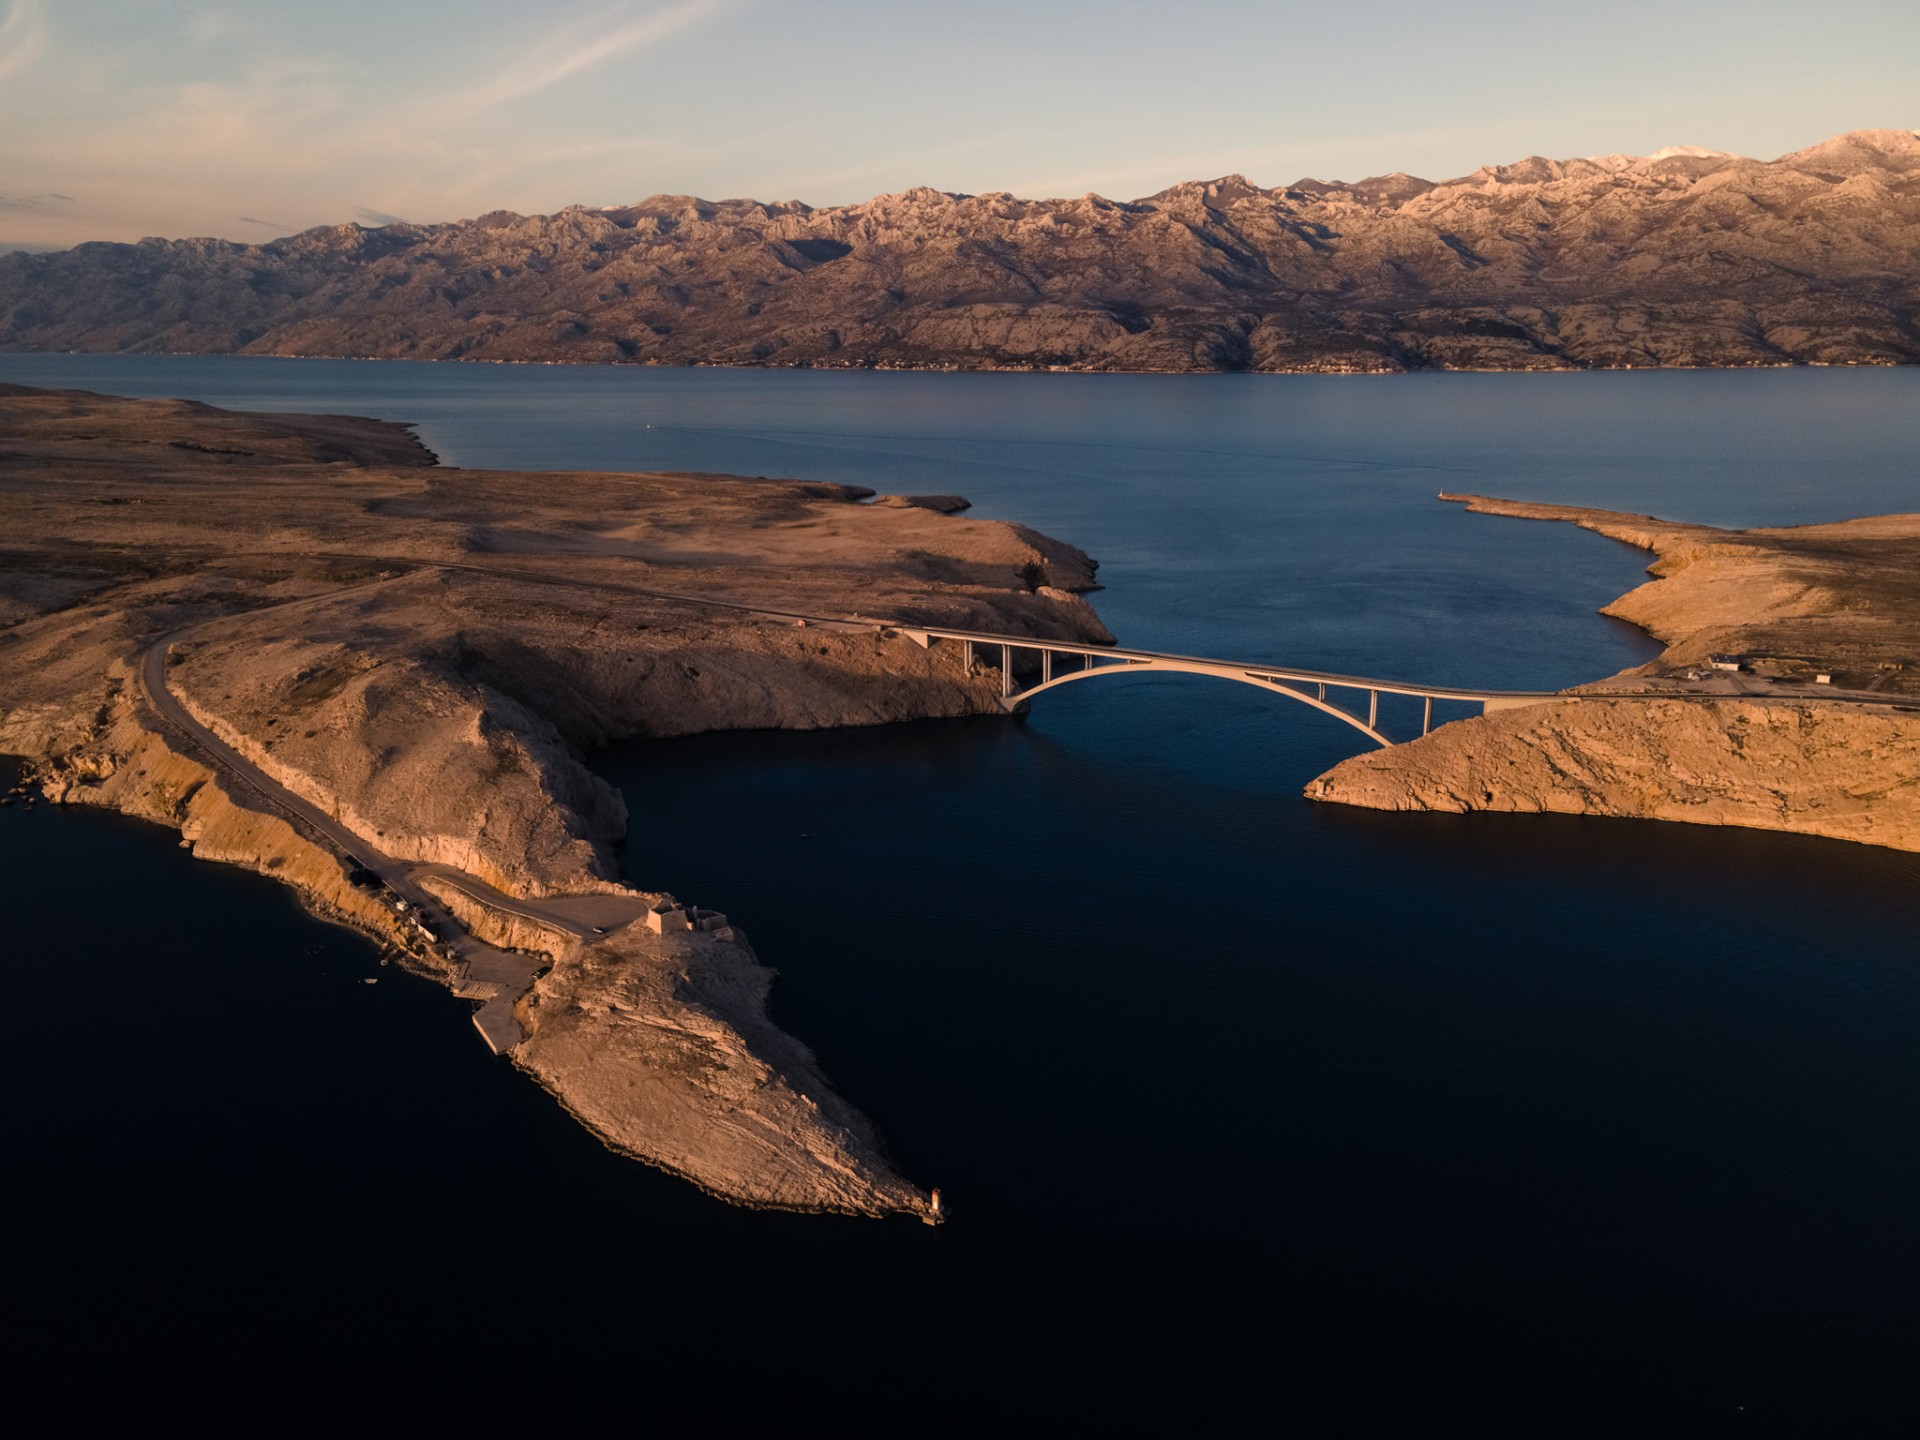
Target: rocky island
(321, 655)
(1788, 697)
(1684, 257)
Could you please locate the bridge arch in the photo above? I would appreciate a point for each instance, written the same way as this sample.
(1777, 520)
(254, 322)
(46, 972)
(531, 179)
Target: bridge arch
(1211, 672)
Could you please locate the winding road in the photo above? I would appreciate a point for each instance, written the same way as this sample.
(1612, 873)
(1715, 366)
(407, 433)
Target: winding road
(496, 977)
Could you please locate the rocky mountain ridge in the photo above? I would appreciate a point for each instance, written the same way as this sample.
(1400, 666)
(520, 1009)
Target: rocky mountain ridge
(1686, 257)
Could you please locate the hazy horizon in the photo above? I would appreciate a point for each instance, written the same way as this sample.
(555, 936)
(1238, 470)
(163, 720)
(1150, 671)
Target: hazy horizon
(129, 118)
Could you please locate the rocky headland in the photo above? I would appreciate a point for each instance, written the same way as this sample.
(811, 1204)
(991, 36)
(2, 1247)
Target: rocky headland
(1685, 257)
(1788, 697)
(320, 654)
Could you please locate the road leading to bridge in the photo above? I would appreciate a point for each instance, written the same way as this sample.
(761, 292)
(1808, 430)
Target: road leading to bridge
(500, 977)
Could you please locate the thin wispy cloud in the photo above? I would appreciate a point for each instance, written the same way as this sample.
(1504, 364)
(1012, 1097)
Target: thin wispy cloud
(616, 33)
(177, 116)
(211, 27)
(274, 99)
(23, 35)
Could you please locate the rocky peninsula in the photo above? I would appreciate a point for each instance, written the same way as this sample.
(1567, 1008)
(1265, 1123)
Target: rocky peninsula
(318, 653)
(1788, 697)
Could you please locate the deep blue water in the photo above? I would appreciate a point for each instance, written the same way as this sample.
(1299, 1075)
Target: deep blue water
(1249, 1111)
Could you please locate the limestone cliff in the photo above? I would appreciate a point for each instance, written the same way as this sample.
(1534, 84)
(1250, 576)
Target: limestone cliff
(138, 771)
(1843, 772)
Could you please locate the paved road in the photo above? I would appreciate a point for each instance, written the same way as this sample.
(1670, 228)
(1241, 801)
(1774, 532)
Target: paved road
(506, 974)
(153, 685)
(581, 916)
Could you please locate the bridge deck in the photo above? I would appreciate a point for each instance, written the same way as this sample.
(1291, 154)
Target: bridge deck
(1225, 667)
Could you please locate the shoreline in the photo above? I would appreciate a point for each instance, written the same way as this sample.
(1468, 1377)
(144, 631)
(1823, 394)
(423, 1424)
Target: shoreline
(955, 369)
(1744, 719)
(397, 733)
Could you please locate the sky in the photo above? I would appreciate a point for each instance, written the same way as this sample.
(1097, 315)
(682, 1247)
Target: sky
(248, 119)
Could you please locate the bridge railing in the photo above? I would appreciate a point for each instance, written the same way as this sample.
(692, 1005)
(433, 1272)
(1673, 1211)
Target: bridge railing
(1291, 682)
(923, 634)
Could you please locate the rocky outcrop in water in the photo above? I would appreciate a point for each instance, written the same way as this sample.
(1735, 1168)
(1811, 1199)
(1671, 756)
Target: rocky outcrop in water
(1687, 257)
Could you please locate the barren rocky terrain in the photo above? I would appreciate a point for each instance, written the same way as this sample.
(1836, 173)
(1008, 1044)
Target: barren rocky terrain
(1770, 745)
(1686, 257)
(423, 655)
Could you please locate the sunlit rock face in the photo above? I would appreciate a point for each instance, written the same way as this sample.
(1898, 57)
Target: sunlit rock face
(1686, 257)
(1798, 650)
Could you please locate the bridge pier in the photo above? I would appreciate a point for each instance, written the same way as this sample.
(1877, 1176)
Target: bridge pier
(1426, 720)
(1006, 672)
(1046, 666)
(1373, 709)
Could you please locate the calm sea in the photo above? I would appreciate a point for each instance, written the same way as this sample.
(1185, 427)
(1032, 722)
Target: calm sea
(1249, 1112)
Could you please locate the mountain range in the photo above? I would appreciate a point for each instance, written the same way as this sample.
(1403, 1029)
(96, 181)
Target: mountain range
(1685, 257)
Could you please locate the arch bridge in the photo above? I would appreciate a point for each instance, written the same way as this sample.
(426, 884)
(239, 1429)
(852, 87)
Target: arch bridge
(1063, 662)
(1067, 662)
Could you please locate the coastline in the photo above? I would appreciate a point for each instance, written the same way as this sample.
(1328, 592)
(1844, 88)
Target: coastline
(1788, 697)
(384, 700)
(905, 368)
